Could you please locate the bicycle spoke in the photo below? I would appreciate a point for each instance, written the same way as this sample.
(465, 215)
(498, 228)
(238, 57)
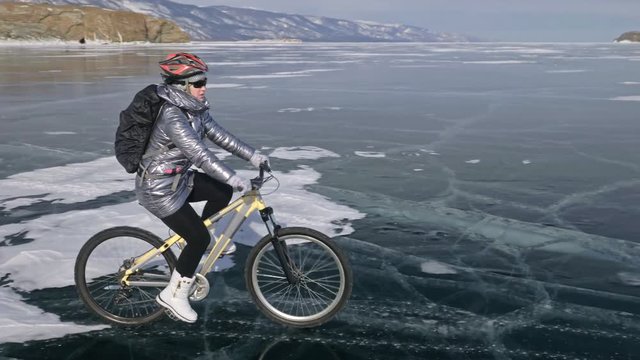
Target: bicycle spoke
(272, 276)
(289, 292)
(285, 288)
(319, 295)
(280, 299)
(300, 258)
(317, 260)
(107, 280)
(315, 298)
(145, 294)
(109, 300)
(139, 302)
(276, 286)
(304, 303)
(322, 268)
(328, 277)
(332, 291)
(300, 303)
(269, 264)
(272, 285)
(327, 285)
(103, 295)
(272, 269)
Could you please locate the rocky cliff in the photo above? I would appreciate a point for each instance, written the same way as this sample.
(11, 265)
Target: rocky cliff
(76, 23)
(631, 36)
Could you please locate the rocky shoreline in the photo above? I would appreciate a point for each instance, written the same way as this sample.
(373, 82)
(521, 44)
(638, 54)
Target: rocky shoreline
(83, 24)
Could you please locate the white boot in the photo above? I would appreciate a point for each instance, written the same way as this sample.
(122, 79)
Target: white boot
(175, 297)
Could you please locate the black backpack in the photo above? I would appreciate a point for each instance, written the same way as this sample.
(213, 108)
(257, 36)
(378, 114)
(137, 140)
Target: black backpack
(136, 124)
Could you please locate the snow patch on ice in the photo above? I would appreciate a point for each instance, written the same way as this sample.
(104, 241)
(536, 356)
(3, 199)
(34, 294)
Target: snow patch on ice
(301, 152)
(223, 86)
(284, 74)
(436, 267)
(70, 183)
(309, 109)
(60, 132)
(30, 268)
(21, 322)
(626, 98)
(627, 278)
(370, 154)
(521, 50)
(499, 62)
(414, 66)
(269, 76)
(263, 62)
(295, 110)
(66, 184)
(430, 152)
(566, 71)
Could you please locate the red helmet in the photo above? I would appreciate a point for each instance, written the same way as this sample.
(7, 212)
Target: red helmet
(182, 65)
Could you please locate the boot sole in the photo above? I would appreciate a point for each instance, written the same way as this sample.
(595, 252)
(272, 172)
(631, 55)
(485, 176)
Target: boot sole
(175, 313)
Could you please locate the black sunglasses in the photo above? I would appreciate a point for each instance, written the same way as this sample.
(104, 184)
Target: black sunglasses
(200, 83)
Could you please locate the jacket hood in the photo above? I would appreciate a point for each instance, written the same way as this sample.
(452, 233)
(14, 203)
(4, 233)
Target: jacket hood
(181, 99)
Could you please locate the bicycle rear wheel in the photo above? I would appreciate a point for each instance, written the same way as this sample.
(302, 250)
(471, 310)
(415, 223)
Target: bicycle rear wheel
(322, 271)
(100, 265)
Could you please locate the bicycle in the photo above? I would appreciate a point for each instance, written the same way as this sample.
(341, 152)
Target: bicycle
(296, 276)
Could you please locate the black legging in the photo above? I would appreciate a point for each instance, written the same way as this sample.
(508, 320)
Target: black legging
(186, 222)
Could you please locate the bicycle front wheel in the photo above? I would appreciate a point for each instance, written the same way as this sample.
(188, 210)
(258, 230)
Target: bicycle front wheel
(323, 279)
(100, 265)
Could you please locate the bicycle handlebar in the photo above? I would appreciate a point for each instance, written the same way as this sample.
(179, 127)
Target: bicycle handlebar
(257, 182)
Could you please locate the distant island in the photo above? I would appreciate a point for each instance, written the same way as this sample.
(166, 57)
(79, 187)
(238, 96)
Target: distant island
(630, 36)
(40, 22)
(226, 23)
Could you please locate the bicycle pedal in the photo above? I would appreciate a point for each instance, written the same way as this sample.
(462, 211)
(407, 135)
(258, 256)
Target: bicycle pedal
(170, 315)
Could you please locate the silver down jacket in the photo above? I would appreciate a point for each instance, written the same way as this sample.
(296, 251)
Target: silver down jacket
(177, 142)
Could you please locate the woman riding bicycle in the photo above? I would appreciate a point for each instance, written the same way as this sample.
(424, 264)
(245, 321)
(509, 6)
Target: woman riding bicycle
(165, 184)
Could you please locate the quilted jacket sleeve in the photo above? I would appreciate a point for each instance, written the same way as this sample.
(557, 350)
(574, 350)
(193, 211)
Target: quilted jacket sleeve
(226, 140)
(179, 130)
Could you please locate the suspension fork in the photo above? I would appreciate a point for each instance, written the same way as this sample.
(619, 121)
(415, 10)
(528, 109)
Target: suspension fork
(280, 247)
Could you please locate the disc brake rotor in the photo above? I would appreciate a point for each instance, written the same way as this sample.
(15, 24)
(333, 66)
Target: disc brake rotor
(200, 288)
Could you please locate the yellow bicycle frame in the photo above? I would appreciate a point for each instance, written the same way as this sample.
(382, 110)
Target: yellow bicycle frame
(244, 206)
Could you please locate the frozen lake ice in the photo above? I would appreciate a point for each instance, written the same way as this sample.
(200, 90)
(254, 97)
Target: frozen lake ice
(486, 195)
